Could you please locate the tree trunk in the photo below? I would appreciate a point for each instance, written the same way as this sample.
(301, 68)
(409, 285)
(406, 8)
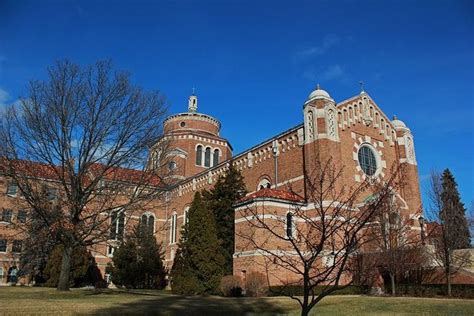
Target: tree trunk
(63, 284)
(304, 311)
(304, 307)
(448, 282)
(392, 282)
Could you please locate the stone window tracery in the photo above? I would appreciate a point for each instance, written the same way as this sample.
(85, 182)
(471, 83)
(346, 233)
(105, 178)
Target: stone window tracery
(367, 160)
(310, 125)
(331, 123)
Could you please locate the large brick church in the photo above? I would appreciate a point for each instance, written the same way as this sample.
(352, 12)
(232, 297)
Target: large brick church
(355, 133)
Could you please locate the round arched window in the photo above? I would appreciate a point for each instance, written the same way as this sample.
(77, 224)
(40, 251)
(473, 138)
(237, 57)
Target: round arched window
(367, 160)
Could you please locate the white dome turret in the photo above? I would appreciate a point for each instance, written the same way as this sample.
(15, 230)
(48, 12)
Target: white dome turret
(397, 124)
(319, 94)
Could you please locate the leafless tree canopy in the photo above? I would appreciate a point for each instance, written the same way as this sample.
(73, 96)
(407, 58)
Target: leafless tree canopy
(319, 246)
(84, 133)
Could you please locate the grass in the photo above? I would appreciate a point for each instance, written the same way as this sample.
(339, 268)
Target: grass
(42, 301)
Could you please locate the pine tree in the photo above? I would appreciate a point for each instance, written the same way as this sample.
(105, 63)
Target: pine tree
(229, 189)
(453, 214)
(81, 260)
(198, 266)
(138, 262)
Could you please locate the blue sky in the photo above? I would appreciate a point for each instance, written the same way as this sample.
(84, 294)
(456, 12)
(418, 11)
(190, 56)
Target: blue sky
(253, 63)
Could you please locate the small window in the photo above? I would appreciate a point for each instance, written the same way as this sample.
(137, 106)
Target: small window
(173, 232)
(52, 194)
(12, 189)
(182, 124)
(172, 165)
(3, 245)
(289, 225)
(264, 184)
(21, 216)
(367, 160)
(215, 158)
(117, 225)
(199, 155)
(17, 246)
(7, 215)
(186, 215)
(207, 157)
(148, 222)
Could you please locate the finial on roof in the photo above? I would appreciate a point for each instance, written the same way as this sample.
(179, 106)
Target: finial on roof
(395, 117)
(194, 91)
(361, 83)
(192, 103)
(317, 87)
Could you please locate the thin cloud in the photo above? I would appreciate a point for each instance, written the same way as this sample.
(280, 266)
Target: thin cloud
(328, 42)
(4, 97)
(333, 72)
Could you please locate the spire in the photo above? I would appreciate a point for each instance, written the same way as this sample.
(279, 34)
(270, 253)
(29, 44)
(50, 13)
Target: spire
(192, 103)
(317, 87)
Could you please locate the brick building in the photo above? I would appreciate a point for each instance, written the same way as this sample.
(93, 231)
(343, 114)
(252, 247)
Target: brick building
(355, 133)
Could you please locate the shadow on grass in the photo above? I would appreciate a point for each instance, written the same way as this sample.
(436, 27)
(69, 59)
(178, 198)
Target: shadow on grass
(168, 304)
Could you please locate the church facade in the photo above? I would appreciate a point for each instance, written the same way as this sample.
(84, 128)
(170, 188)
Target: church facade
(355, 134)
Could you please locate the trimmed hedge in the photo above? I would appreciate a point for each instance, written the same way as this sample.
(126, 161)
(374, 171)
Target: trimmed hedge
(298, 290)
(430, 290)
(416, 290)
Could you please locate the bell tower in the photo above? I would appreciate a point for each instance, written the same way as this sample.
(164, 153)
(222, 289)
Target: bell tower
(193, 143)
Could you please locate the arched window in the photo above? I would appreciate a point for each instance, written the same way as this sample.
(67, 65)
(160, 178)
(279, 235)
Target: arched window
(148, 222)
(289, 226)
(117, 225)
(215, 158)
(199, 155)
(207, 157)
(173, 231)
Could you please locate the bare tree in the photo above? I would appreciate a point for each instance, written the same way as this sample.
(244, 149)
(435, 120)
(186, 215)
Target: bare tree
(311, 247)
(441, 235)
(84, 133)
(397, 247)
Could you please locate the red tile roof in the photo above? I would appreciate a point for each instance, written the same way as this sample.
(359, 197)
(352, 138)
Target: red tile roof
(127, 175)
(273, 194)
(45, 171)
(31, 169)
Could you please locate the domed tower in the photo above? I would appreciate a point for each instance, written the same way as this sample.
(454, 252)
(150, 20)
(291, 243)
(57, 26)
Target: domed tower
(320, 117)
(192, 143)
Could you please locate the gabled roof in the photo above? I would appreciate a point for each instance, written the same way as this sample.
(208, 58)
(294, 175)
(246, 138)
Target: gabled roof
(272, 194)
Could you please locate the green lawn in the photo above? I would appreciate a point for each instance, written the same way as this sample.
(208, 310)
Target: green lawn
(41, 301)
